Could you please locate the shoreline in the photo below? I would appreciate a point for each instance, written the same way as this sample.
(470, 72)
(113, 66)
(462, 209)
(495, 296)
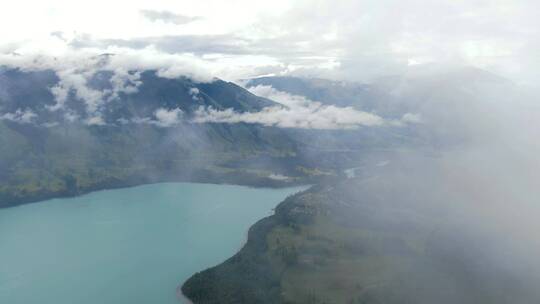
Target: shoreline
(205, 284)
(181, 296)
(249, 236)
(255, 182)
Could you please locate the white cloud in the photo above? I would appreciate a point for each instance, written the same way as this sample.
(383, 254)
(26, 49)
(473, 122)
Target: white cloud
(75, 69)
(194, 91)
(313, 117)
(70, 116)
(296, 112)
(283, 98)
(20, 116)
(162, 117)
(351, 40)
(125, 82)
(60, 93)
(95, 121)
(77, 80)
(302, 113)
(167, 118)
(411, 118)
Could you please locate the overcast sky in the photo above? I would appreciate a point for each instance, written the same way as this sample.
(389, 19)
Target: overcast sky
(345, 39)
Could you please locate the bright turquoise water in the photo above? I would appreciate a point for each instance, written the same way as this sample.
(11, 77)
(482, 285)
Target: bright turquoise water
(133, 245)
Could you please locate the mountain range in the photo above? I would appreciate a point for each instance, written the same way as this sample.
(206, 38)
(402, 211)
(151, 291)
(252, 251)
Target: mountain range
(47, 150)
(65, 133)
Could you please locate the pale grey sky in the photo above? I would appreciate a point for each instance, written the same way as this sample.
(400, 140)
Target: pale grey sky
(346, 39)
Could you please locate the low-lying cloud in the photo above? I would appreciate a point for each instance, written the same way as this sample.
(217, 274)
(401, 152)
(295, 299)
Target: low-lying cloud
(19, 116)
(297, 112)
(167, 118)
(314, 117)
(77, 69)
(162, 117)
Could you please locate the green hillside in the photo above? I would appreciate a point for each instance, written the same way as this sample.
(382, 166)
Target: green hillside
(349, 243)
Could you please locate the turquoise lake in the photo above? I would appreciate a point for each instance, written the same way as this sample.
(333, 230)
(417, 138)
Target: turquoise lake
(132, 245)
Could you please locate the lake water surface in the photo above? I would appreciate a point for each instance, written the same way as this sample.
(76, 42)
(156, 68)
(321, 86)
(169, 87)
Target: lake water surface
(132, 245)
